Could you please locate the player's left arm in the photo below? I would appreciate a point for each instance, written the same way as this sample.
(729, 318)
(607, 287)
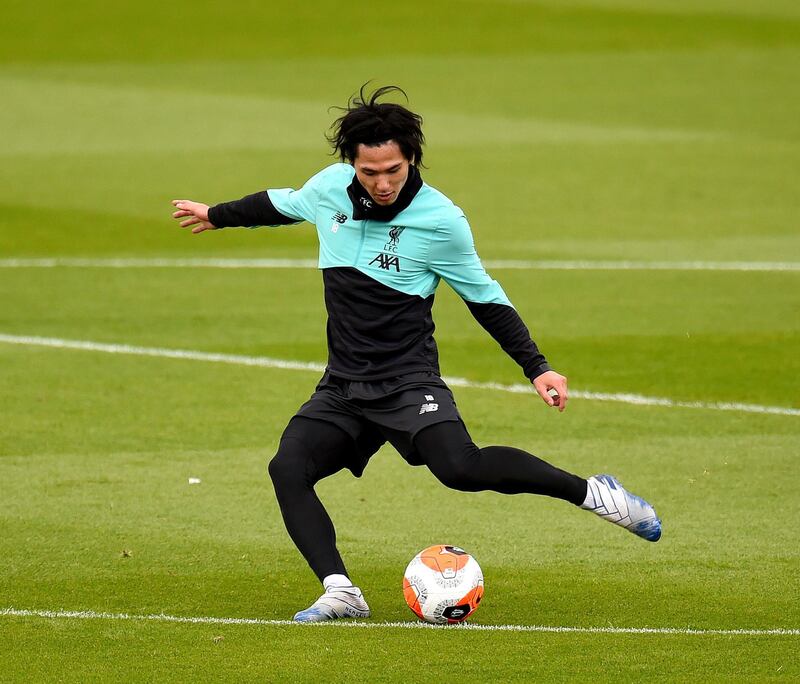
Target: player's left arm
(454, 258)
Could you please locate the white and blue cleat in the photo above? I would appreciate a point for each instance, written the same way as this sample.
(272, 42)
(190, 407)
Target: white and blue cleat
(336, 603)
(606, 497)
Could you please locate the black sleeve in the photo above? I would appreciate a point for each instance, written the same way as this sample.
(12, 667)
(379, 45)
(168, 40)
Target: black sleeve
(253, 210)
(506, 327)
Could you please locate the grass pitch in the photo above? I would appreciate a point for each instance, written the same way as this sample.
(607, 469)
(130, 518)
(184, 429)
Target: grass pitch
(599, 130)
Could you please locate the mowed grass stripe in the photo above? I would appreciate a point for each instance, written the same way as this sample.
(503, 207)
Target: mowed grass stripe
(267, 362)
(161, 617)
(513, 264)
(113, 119)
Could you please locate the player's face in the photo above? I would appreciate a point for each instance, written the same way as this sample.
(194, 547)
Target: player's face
(382, 170)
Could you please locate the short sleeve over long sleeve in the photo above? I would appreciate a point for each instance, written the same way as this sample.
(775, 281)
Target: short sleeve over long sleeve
(453, 257)
(301, 204)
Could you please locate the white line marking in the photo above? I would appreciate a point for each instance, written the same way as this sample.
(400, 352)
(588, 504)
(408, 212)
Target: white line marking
(466, 627)
(157, 263)
(646, 265)
(263, 361)
(533, 265)
(635, 399)
(267, 362)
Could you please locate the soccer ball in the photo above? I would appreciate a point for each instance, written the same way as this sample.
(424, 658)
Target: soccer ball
(443, 584)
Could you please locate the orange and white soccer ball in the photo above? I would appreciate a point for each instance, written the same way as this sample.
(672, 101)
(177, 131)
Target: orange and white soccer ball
(443, 584)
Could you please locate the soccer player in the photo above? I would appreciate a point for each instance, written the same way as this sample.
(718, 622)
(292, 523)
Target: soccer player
(386, 239)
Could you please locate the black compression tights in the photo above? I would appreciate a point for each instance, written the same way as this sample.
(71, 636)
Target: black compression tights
(311, 450)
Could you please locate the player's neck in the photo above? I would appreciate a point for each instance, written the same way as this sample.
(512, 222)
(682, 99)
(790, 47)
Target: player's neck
(364, 207)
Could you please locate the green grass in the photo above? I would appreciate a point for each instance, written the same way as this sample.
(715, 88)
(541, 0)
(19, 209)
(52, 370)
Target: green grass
(600, 129)
(149, 651)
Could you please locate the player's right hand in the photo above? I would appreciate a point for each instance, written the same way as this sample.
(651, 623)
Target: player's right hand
(197, 213)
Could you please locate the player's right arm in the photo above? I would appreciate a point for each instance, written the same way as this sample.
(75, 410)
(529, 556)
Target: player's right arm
(249, 211)
(279, 207)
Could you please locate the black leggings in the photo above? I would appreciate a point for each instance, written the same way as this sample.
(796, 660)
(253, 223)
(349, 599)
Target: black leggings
(311, 450)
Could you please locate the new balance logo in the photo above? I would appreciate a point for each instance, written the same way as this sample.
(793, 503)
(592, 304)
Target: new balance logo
(386, 261)
(338, 219)
(428, 408)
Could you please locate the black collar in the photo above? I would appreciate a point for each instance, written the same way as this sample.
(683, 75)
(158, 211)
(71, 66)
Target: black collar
(364, 207)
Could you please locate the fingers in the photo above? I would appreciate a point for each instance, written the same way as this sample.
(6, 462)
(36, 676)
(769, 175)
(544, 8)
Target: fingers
(196, 213)
(186, 206)
(542, 392)
(552, 388)
(558, 393)
(184, 209)
(189, 208)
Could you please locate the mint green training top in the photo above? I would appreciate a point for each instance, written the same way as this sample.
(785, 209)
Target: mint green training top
(434, 240)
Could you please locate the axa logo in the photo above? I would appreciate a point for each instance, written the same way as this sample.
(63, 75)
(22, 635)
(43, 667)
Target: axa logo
(394, 239)
(386, 261)
(338, 219)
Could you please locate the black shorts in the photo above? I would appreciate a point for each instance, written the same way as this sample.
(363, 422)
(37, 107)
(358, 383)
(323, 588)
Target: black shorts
(373, 413)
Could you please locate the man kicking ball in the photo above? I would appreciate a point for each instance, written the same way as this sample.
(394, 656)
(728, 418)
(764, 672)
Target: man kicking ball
(386, 240)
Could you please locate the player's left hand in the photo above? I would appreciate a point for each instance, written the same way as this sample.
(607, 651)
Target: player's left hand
(552, 388)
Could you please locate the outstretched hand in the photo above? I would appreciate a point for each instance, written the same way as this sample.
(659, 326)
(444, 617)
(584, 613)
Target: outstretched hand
(197, 213)
(552, 388)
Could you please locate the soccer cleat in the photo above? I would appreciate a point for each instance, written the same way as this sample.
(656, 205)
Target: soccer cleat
(338, 602)
(610, 500)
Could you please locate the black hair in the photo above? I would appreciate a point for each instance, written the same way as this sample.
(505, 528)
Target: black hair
(369, 122)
